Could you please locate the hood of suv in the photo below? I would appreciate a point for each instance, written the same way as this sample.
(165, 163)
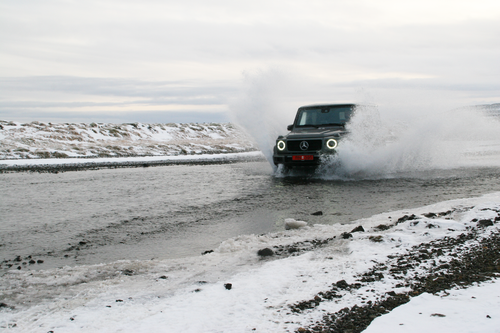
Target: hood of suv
(312, 132)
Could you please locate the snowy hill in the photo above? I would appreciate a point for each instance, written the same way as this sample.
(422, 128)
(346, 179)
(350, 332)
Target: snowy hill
(49, 140)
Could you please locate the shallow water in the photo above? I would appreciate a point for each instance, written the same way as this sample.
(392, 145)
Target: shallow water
(102, 216)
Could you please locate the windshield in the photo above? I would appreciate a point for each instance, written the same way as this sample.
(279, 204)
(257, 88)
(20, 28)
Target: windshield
(324, 115)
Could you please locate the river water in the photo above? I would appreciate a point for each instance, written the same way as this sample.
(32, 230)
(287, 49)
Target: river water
(101, 216)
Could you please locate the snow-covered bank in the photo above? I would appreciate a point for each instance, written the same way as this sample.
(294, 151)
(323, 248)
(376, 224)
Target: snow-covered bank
(316, 275)
(70, 140)
(74, 164)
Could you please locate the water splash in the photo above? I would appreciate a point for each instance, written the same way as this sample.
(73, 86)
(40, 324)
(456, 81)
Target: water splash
(265, 107)
(409, 132)
(386, 144)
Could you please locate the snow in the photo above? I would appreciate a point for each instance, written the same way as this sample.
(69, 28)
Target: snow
(193, 294)
(465, 310)
(60, 140)
(233, 289)
(60, 161)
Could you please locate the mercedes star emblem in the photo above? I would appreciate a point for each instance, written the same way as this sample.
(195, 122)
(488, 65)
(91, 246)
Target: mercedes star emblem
(304, 145)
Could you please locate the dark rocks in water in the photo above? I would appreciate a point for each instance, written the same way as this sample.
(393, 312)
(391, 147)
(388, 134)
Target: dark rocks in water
(39, 261)
(318, 213)
(163, 277)
(430, 215)
(267, 252)
(358, 229)
(228, 286)
(484, 223)
(128, 272)
(346, 235)
(207, 252)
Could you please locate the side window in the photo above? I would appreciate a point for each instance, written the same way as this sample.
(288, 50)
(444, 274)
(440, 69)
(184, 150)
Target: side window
(303, 118)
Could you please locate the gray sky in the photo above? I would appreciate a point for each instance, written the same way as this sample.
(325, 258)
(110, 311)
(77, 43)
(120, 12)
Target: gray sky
(183, 61)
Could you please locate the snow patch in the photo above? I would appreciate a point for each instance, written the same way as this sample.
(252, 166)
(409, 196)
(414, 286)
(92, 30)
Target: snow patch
(48, 140)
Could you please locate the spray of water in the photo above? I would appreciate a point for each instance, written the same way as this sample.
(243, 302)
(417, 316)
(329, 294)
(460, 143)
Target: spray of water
(382, 143)
(264, 107)
(390, 136)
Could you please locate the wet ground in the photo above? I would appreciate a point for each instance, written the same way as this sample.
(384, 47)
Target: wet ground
(87, 217)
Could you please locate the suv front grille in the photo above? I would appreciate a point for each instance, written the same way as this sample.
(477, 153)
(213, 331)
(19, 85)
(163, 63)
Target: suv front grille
(313, 145)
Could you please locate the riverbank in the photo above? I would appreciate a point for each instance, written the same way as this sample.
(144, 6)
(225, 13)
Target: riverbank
(371, 274)
(55, 165)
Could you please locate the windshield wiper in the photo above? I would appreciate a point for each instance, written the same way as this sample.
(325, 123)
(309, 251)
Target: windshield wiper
(322, 125)
(333, 124)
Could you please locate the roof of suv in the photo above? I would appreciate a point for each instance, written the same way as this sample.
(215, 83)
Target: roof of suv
(327, 104)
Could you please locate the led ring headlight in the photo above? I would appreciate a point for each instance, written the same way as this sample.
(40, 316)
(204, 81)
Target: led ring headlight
(281, 145)
(331, 143)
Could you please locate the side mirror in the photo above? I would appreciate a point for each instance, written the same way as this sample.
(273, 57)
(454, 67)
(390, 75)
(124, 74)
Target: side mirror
(289, 127)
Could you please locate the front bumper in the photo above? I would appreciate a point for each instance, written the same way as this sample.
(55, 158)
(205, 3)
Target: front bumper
(297, 160)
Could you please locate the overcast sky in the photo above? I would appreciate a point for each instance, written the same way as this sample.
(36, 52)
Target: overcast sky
(183, 61)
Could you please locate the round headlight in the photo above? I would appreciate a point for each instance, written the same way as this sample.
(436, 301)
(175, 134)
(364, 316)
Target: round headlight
(331, 143)
(281, 145)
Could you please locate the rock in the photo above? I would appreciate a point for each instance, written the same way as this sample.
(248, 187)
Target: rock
(346, 235)
(3, 305)
(382, 227)
(228, 286)
(484, 223)
(294, 224)
(358, 229)
(342, 284)
(376, 239)
(406, 218)
(267, 252)
(207, 252)
(318, 213)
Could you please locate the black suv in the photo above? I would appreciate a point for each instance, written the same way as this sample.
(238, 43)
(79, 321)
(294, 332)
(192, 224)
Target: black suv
(315, 131)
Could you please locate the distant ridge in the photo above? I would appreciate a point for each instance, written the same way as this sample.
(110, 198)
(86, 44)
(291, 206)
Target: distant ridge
(66, 140)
